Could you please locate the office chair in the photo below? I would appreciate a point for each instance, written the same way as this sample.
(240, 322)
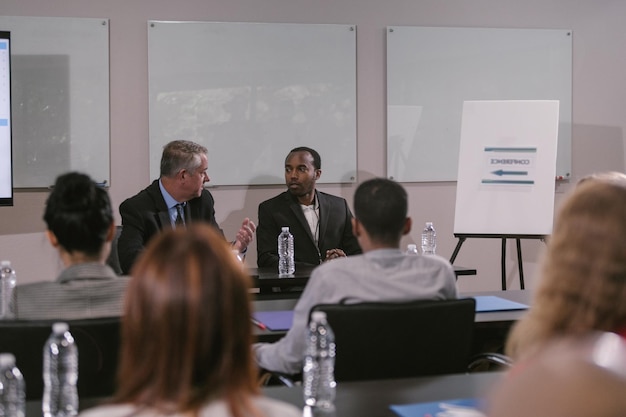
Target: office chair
(98, 343)
(489, 362)
(397, 340)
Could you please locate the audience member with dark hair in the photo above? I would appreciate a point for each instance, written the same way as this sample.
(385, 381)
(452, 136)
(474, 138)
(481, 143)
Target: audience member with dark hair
(187, 335)
(583, 277)
(81, 227)
(319, 222)
(382, 273)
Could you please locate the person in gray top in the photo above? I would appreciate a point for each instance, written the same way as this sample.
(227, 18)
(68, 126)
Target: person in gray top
(80, 224)
(382, 273)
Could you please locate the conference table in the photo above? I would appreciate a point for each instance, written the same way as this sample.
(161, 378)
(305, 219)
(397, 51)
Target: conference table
(373, 398)
(368, 398)
(271, 285)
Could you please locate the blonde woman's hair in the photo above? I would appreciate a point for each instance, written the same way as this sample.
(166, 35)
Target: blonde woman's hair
(583, 281)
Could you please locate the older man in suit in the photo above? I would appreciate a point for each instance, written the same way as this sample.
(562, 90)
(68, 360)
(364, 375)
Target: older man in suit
(320, 222)
(178, 197)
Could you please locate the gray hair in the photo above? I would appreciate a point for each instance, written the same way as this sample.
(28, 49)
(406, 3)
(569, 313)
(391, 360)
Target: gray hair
(179, 155)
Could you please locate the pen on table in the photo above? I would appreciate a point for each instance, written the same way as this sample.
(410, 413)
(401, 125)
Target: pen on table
(259, 324)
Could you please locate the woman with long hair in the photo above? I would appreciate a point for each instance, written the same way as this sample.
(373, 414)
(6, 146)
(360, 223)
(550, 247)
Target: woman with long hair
(187, 335)
(583, 277)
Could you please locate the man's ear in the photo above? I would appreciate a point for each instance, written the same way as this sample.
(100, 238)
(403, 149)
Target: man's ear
(52, 238)
(318, 174)
(407, 226)
(111, 232)
(356, 227)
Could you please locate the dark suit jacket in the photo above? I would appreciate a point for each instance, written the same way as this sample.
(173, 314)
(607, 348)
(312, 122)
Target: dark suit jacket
(284, 210)
(145, 214)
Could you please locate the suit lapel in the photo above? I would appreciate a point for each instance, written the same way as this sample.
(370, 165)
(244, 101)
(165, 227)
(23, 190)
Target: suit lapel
(162, 215)
(324, 206)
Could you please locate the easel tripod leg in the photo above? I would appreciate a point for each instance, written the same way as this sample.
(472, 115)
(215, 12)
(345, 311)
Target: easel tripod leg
(519, 264)
(503, 263)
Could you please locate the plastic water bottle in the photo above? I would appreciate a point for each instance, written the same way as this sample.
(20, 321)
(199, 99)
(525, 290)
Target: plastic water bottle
(60, 373)
(429, 239)
(318, 373)
(7, 285)
(411, 249)
(12, 388)
(286, 263)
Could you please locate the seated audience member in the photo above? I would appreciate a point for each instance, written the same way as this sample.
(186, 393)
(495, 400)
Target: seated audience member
(570, 377)
(81, 226)
(382, 273)
(320, 223)
(187, 335)
(178, 197)
(583, 276)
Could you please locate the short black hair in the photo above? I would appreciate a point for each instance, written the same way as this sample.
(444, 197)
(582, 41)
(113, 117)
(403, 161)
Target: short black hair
(317, 160)
(381, 206)
(79, 213)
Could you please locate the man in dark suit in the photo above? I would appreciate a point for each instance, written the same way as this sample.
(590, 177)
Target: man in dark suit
(178, 197)
(320, 223)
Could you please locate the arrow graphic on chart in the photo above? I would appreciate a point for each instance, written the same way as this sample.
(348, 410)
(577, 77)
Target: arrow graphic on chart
(501, 172)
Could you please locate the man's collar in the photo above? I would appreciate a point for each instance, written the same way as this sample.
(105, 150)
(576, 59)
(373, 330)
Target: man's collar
(169, 200)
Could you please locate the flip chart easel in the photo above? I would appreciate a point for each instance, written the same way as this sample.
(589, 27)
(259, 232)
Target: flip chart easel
(507, 169)
(520, 267)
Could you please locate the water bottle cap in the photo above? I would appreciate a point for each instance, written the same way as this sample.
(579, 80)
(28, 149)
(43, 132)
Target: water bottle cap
(411, 246)
(318, 315)
(7, 359)
(5, 263)
(285, 228)
(60, 327)
(429, 223)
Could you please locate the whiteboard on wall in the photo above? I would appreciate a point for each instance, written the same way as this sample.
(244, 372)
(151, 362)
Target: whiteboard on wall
(507, 165)
(60, 98)
(431, 71)
(250, 92)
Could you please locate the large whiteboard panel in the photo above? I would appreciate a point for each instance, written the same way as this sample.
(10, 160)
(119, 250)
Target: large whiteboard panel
(507, 168)
(60, 98)
(250, 92)
(431, 71)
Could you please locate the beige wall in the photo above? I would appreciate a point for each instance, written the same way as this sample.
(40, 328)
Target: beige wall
(599, 103)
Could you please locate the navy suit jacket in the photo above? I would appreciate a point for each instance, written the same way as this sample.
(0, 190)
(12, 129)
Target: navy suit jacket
(145, 214)
(284, 210)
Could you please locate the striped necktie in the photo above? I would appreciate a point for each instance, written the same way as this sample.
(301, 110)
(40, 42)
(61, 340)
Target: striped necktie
(180, 216)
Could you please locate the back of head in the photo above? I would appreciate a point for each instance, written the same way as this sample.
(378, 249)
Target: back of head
(610, 176)
(583, 281)
(381, 206)
(181, 154)
(79, 213)
(571, 377)
(186, 333)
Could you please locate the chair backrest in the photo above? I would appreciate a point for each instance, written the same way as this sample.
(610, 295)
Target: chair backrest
(397, 340)
(98, 343)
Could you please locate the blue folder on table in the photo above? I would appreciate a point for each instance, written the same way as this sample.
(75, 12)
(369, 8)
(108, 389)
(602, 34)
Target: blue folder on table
(275, 320)
(448, 408)
(487, 303)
